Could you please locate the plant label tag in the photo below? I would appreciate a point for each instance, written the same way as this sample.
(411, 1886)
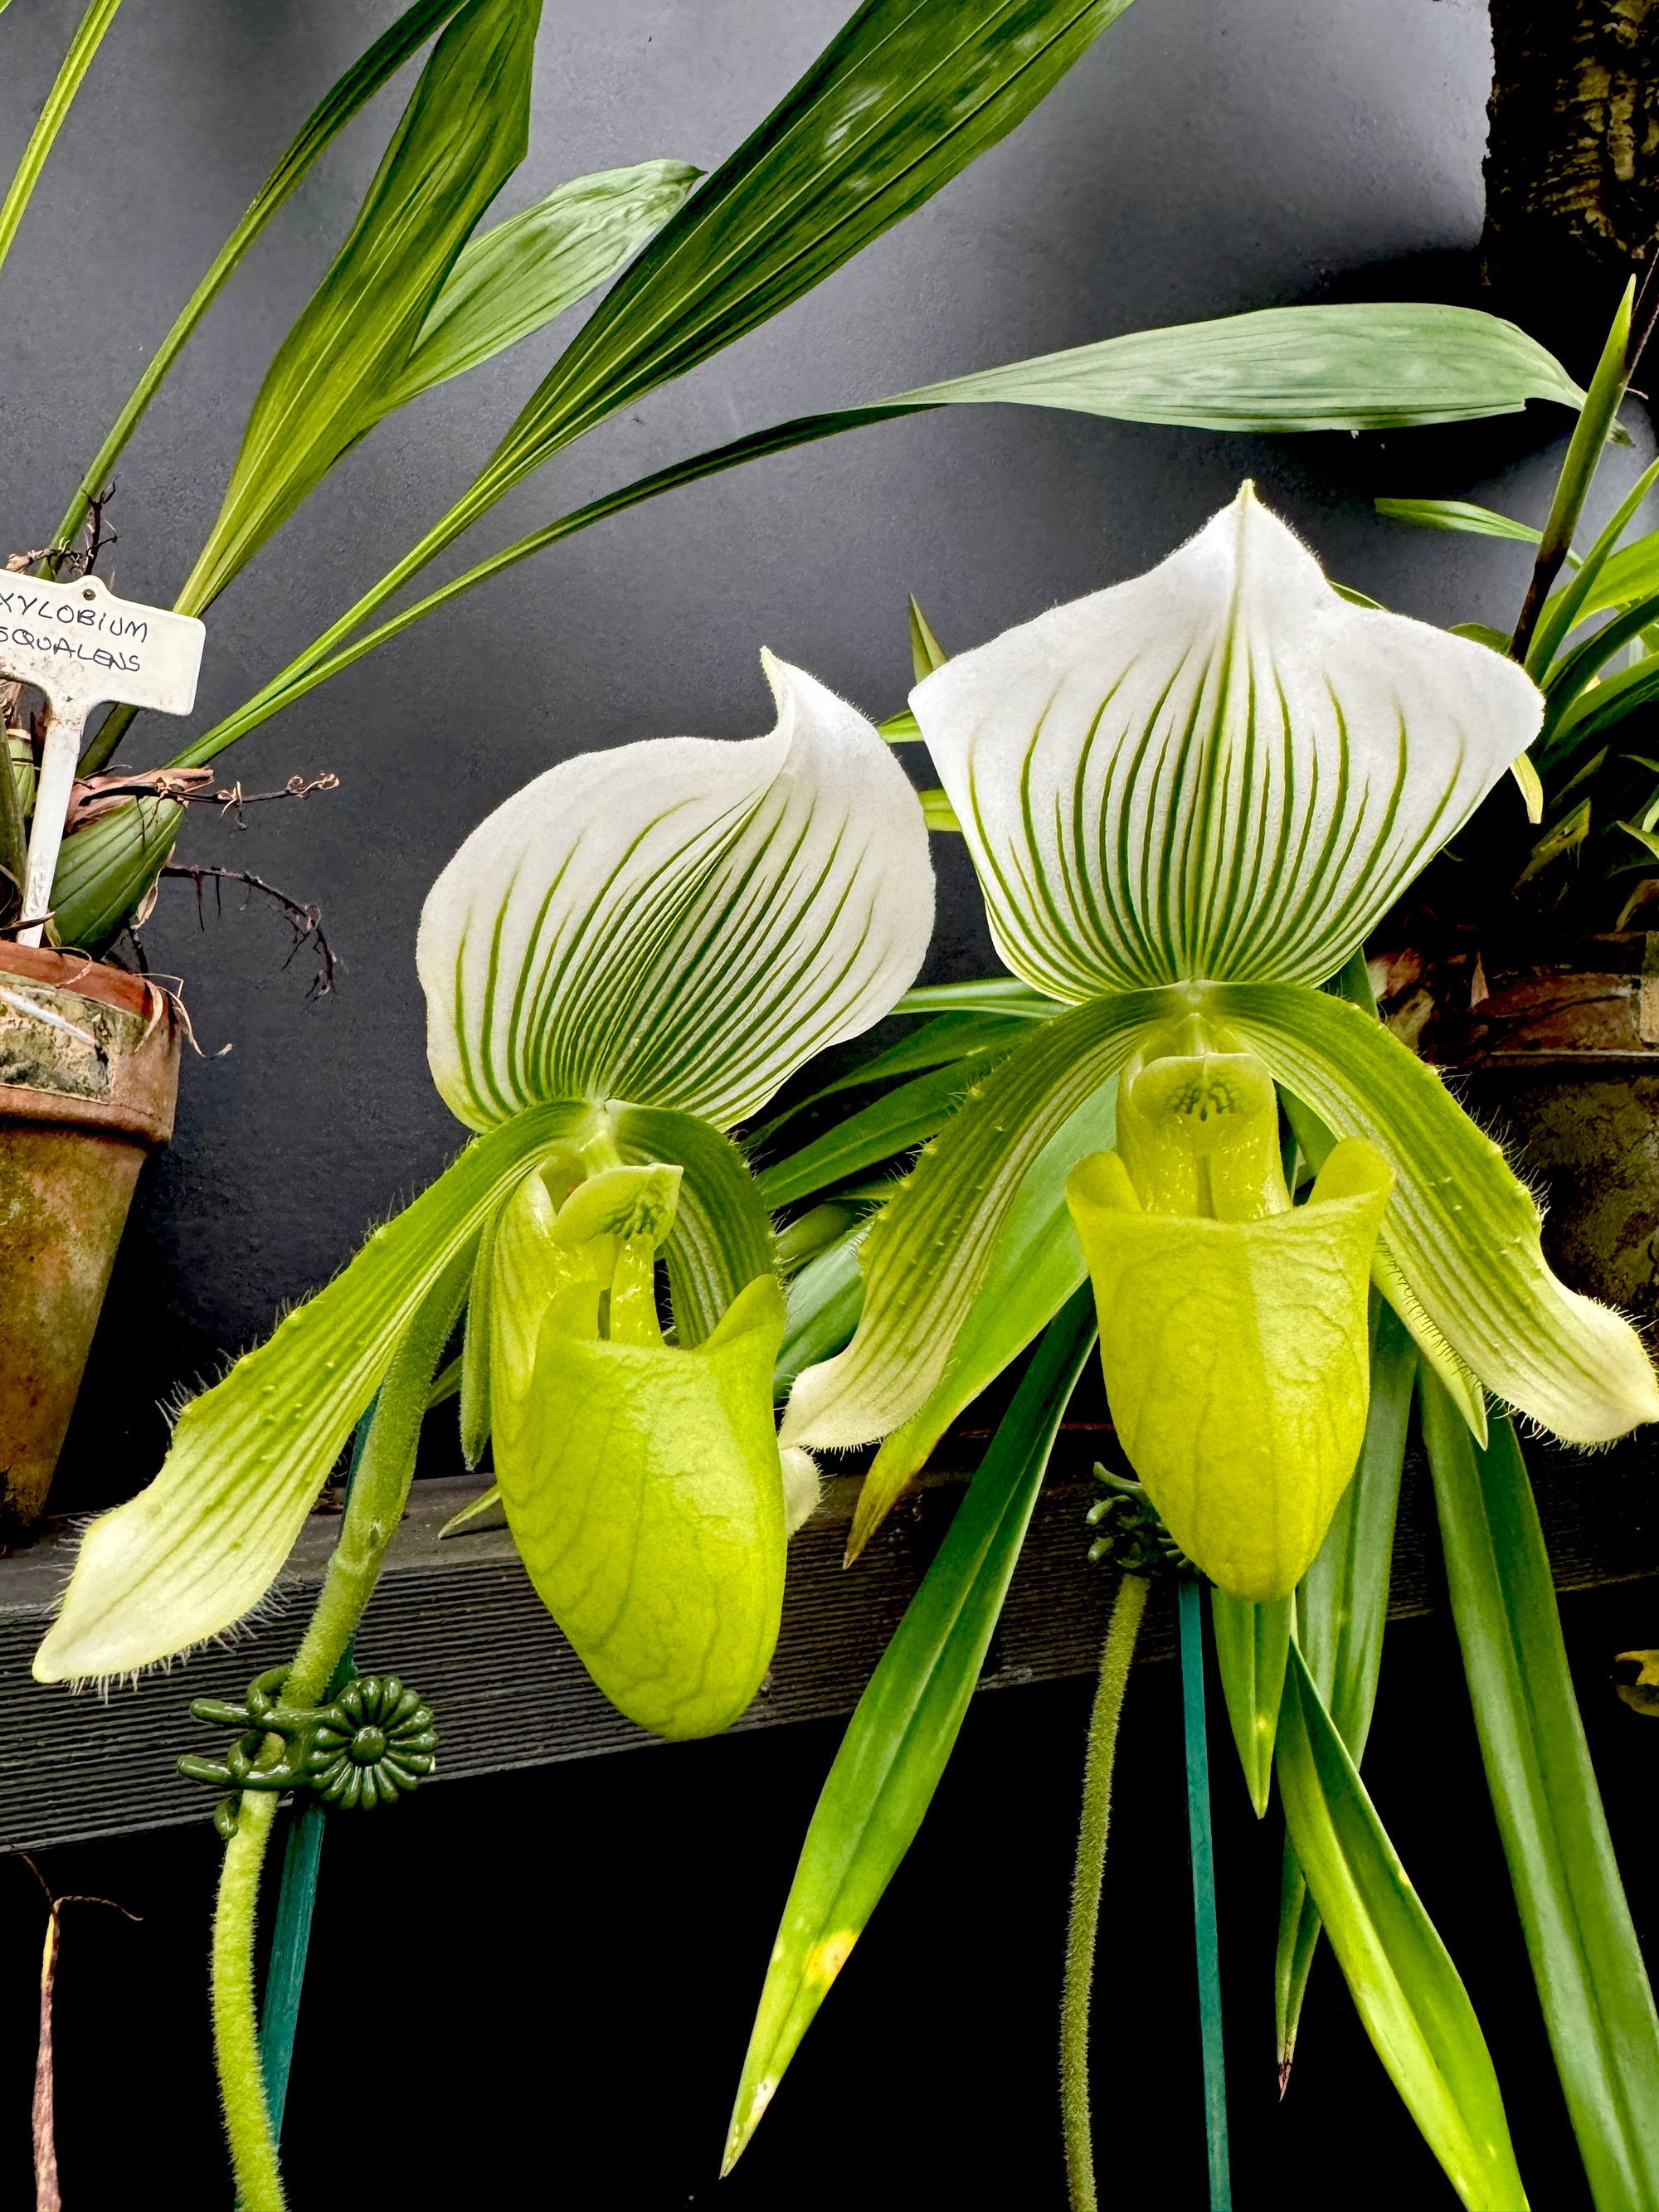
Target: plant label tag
(80, 645)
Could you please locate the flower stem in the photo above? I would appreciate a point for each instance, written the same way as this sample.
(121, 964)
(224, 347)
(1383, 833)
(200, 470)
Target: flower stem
(1121, 1631)
(374, 1505)
(235, 2019)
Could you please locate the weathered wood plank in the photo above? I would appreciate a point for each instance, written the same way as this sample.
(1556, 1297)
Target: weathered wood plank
(461, 1622)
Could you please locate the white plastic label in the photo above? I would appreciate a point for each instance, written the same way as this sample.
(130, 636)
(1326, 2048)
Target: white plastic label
(79, 644)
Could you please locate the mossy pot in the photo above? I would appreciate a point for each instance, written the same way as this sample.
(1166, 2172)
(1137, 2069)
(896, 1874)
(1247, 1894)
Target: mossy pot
(88, 1078)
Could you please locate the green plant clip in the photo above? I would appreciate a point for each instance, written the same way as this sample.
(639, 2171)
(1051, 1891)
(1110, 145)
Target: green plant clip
(373, 1744)
(1135, 1539)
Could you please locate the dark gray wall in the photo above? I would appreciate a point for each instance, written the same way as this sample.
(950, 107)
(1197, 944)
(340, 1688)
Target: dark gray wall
(1202, 159)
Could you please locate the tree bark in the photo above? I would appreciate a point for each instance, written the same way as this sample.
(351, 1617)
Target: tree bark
(1572, 161)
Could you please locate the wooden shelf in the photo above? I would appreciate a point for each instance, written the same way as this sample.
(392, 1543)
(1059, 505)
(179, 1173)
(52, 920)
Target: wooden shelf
(461, 1623)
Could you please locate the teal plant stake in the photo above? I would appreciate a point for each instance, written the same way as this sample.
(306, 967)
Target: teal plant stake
(1201, 1837)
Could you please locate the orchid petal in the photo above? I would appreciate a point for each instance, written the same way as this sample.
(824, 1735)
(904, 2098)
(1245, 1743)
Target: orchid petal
(927, 1251)
(1460, 1229)
(1218, 770)
(680, 922)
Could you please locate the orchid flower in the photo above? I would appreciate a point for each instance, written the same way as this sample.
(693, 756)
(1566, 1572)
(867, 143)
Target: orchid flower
(1187, 799)
(629, 957)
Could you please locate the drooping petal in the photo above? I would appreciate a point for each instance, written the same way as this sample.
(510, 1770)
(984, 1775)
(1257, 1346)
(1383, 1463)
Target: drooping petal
(680, 922)
(203, 1543)
(1460, 1229)
(1221, 769)
(929, 1249)
(1236, 1356)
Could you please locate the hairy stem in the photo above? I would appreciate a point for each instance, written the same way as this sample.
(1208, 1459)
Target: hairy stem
(1121, 1631)
(373, 1509)
(236, 2016)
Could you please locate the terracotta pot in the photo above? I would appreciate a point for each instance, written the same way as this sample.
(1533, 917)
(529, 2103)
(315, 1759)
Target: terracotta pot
(1558, 1058)
(89, 1074)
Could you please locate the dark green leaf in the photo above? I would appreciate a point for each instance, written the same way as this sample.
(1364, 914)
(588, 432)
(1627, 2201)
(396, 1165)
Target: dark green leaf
(343, 100)
(1594, 1990)
(514, 278)
(1250, 1644)
(464, 131)
(1456, 514)
(906, 1722)
(1404, 1985)
(1342, 1609)
(901, 1118)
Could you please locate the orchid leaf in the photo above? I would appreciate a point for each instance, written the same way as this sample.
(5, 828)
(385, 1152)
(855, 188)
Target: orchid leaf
(1461, 514)
(1252, 1644)
(191, 1554)
(907, 1722)
(1405, 1988)
(928, 1251)
(1597, 2004)
(989, 994)
(682, 922)
(1218, 769)
(83, 52)
(1565, 609)
(344, 100)
(1036, 1266)
(823, 1304)
(1461, 1230)
(900, 100)
(464, 131)
(722, 1238)
(512, 279)
(641, 1480)
(1365, 366)
(1342, 1610)
(945, 1037)
(905, 1116)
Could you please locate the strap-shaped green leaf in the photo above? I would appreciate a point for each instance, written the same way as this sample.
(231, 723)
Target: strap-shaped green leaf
(929, 1249)
(1459, 514)
(191, 1554)
(515, 277)
(464, 131)
(949, 1036)
(824, 1302)
(1594, 1989)
(904, 97)
(1460, 1229)
(83, 52)
(343, 101)
(722, 1237)
(1404, 1985)
(904, 1116)
(906, 1725)
(1219, 769)
(1342, 1609)
(682, 922)
(1251, 1643)
(1357, 366)
(1036, 1266)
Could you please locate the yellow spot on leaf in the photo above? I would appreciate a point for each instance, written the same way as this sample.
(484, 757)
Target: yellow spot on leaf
(825, 1960)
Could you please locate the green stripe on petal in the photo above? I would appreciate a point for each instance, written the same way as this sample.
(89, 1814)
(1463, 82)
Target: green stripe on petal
(191, 1554)
(1218, 770)
(929, 1249)
(1460, 1229)
(722, 1237)
(681, 922)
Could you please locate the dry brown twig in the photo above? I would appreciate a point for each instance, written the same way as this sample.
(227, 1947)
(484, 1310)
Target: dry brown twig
(305, 921)
(47, 2195)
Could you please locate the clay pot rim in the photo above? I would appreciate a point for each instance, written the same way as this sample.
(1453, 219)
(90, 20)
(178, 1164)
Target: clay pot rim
(147, 1086)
